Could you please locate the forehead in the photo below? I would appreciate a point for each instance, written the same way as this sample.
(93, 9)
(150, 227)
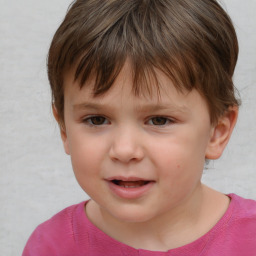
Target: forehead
(121, 95)
(151, 88)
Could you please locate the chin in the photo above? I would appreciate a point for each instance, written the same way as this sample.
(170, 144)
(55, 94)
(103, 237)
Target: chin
(132, 214)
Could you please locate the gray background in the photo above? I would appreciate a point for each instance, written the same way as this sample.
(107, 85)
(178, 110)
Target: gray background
(36, 178)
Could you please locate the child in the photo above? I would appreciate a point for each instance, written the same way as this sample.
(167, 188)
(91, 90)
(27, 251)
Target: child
(143, 94)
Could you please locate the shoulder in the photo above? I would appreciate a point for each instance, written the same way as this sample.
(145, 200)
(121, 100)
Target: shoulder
(237, 233)
(243, 208)
(56, 235)
(243, 218)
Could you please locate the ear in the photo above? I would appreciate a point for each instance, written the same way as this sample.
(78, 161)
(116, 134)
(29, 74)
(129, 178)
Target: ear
(221, 133)
(63, 133)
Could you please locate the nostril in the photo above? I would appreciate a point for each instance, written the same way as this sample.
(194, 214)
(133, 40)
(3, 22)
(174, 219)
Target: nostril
(126, 154)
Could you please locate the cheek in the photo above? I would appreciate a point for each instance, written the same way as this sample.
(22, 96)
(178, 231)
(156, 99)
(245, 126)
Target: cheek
(87, 154)
(86, 166)
(180, 157)
(180, 173)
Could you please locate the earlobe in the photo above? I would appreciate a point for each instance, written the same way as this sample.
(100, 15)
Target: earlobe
(63, 133)
(221, 133)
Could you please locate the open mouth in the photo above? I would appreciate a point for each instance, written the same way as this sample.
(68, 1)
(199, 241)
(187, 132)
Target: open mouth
(130, 184)
(130, 187)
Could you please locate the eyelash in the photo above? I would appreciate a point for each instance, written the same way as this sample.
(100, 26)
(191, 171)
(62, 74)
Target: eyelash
(166, 119)
(88, 120)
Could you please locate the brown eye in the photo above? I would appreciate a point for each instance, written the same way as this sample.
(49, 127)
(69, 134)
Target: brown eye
(97, 120)
(159, 120)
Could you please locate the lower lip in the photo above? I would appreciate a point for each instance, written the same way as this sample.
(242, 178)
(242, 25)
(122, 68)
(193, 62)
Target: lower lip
(130, 193)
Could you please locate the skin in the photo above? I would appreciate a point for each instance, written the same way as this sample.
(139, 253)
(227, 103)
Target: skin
(163, 140)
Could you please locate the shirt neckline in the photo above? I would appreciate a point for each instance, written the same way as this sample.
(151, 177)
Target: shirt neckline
(95, 235)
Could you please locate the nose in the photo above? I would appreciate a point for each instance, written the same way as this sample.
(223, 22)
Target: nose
(126, 146)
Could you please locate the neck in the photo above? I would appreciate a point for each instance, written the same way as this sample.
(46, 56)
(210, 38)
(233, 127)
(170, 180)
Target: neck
(187, 222)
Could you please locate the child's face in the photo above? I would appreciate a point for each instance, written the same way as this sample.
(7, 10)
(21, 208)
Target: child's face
(136, 157)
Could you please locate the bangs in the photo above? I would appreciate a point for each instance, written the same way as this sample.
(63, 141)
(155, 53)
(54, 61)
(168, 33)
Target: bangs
(142, 37)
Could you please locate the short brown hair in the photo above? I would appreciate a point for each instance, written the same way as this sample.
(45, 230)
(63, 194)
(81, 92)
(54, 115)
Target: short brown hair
(192, 41)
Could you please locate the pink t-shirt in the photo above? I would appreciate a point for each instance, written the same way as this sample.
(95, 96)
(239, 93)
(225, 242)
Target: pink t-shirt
(70, 233)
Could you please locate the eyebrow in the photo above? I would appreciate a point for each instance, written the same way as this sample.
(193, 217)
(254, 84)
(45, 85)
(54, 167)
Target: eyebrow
(92, 106)
(159, 107)
(140, 108)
